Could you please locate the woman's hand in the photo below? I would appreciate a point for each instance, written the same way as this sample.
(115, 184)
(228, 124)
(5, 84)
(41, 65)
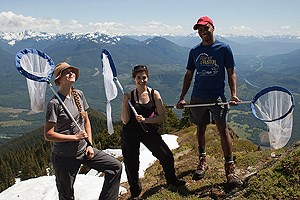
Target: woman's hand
(89, 152)
(140, 118)
(81, 135)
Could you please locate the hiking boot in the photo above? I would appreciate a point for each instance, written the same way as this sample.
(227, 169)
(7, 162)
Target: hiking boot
(135, 192)
(232, 179)
(133, 198)
(176, 183)
(201, 168)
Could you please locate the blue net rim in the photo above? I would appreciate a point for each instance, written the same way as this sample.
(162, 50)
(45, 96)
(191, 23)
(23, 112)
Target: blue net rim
(269, 89)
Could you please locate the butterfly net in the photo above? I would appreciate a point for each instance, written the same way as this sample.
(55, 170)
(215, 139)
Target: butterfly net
(36, 68)
(275, 107)
(111, 90)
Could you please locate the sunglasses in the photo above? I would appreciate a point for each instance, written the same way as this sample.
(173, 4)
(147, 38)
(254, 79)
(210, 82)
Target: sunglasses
(68, 71)
(139, 67)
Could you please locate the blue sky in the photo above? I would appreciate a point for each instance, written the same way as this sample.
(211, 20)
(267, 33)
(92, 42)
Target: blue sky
(254, 17)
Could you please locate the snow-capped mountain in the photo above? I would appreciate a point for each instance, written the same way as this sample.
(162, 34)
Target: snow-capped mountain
(97, 37)
(269, 38)
(12, 38)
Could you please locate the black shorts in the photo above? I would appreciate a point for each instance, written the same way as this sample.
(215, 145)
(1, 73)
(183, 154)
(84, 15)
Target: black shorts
(205, 114)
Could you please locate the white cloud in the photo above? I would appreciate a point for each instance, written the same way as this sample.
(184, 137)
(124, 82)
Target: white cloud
(162, 28)
(241, 28)
(11, 22)
(152, 27)
(73, 25)
(17, 23)
(286, 27)
(108, 28)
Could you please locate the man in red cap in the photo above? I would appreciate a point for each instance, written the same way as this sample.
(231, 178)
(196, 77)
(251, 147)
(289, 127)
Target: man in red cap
(203, 21)
(211, 60)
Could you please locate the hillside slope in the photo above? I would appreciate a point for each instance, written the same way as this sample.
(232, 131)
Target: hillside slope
(267, 174)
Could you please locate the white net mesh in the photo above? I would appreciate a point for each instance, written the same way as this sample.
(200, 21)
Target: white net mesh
(111, 90)
(37, 93)
(274, 108)
(280, 131)
(37, 66)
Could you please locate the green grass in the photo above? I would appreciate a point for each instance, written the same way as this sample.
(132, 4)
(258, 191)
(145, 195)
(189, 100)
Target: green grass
(279, 181)
(265, 176)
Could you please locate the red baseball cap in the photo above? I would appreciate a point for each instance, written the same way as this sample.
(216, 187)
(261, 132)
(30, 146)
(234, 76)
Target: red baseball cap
(203, 21)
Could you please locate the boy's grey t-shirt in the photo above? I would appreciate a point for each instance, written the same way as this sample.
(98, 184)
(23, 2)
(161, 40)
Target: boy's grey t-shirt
(64, 125)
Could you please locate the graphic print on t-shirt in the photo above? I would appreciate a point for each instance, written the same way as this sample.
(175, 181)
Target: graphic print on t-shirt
(208, 65)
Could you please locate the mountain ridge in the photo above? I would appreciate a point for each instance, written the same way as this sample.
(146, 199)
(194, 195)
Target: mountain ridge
(165, 59)
(11, 37)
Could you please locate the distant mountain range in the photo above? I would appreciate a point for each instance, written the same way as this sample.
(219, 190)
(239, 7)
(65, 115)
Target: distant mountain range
(261, 62)
(289, 42)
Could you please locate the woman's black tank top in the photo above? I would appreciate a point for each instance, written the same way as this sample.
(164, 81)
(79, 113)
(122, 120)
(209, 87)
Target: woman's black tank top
(147, 110)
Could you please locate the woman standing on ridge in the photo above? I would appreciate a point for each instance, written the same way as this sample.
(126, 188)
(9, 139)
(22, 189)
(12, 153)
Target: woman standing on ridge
(148, 103)
(70, 149)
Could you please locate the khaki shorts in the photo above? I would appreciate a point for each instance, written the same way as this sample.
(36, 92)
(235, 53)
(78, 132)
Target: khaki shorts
(206, 114)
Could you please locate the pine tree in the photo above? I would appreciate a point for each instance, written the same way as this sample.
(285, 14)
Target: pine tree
(7, 178)
(172, 123)
(185, 120)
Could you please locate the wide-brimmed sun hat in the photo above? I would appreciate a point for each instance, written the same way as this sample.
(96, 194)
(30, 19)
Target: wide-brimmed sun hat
(60, 67)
